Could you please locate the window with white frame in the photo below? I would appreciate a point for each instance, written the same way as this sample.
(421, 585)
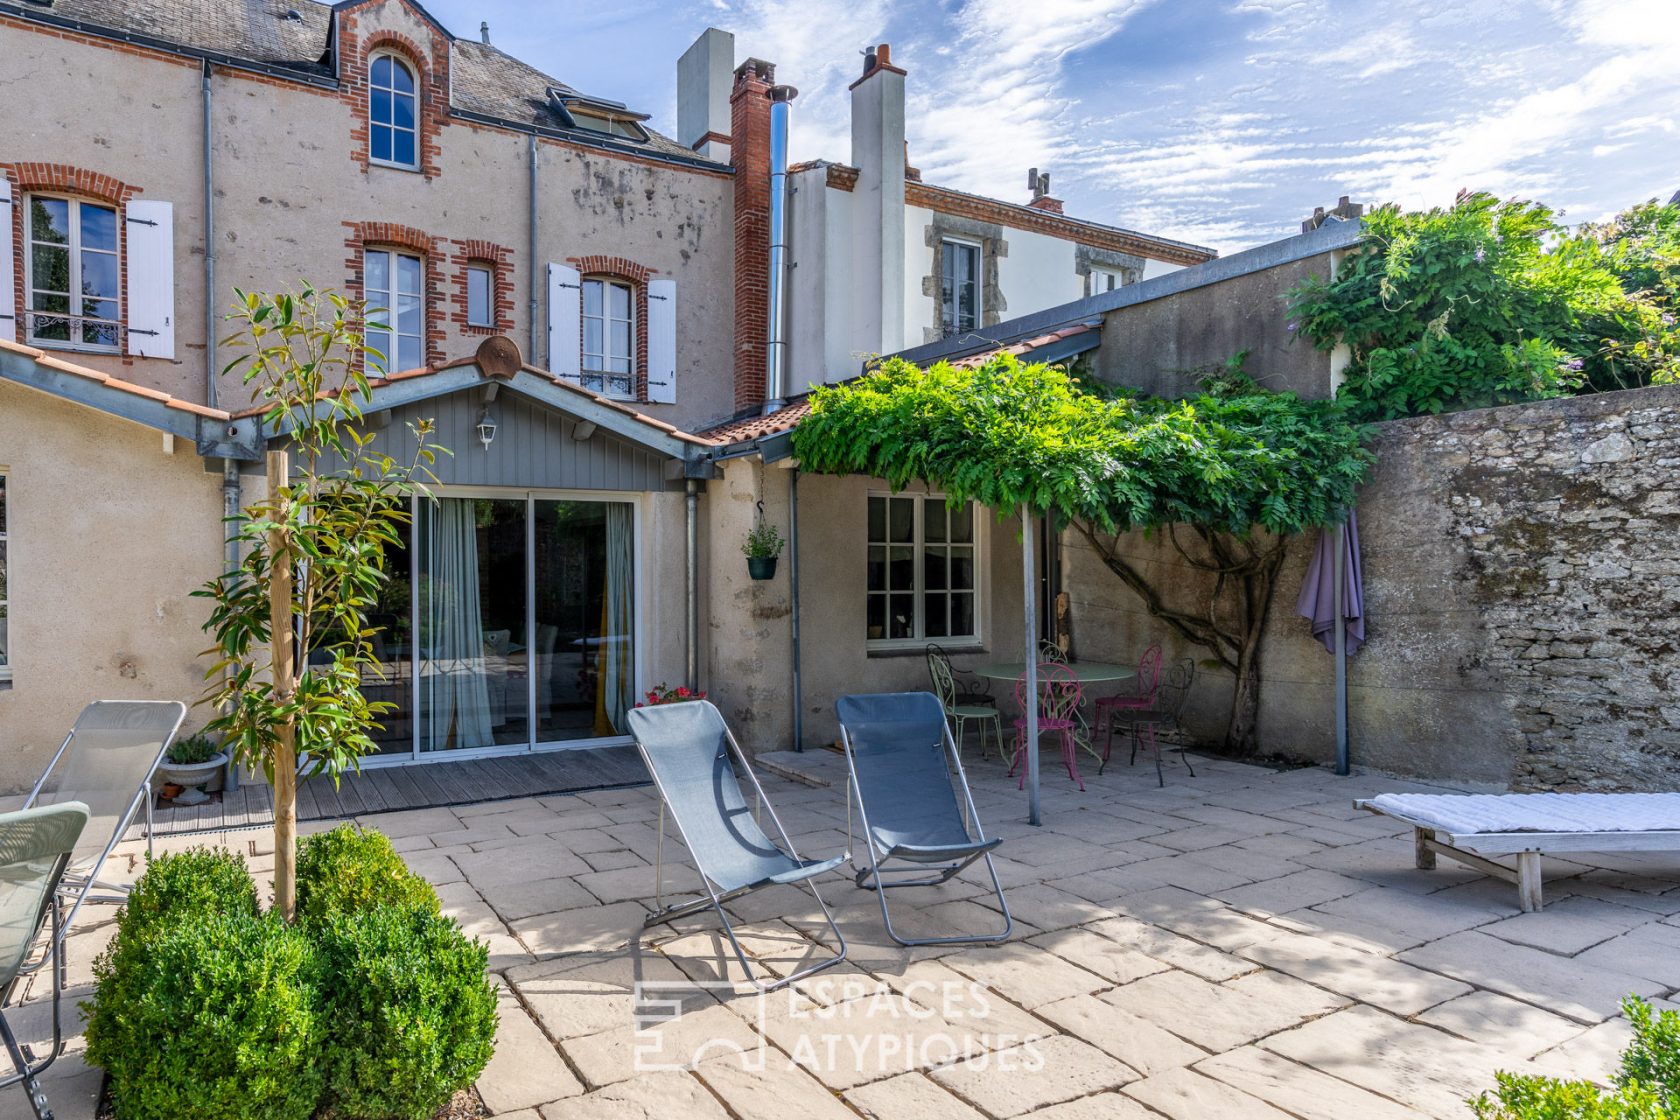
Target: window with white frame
(396, 322)
(73, 273)
(393, 113)
(5, 590)
(609, 337)
(481, 295)
(959, 286)
(1102, 280)
(924, 574)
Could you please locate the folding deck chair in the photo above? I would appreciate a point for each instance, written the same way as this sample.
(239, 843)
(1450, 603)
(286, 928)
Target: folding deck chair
(687, 748)
(902, 757)
(106, 764)
(35, 849)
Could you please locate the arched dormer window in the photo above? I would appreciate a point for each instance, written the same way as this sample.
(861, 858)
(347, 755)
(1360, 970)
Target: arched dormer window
(393, 113)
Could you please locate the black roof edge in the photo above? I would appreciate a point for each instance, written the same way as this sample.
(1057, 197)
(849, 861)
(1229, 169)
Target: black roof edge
(32, 14)
(592, 140)
(1329, 237)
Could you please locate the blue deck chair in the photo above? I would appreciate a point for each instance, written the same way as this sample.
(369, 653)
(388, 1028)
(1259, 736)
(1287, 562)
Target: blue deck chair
(902, 761)
(35, 849)
(688, 750)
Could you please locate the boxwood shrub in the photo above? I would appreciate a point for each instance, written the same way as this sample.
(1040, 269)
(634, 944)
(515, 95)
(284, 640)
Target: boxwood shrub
(372, 1007)
(413, 1018)
(347, 869)
(218, 1018)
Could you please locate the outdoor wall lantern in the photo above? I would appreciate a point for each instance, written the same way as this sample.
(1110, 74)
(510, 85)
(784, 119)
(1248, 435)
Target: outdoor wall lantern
(486, 428)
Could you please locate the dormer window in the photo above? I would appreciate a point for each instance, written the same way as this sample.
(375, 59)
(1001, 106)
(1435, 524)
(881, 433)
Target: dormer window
(393, 113)
(593, 114)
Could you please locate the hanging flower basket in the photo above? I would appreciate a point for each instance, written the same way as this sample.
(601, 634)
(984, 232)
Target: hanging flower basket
(762, 567)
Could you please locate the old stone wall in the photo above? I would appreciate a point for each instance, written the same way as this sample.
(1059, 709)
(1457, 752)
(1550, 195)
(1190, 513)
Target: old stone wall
(1522, 598)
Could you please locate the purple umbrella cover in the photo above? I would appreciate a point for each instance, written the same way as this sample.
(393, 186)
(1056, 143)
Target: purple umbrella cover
(1318, 596)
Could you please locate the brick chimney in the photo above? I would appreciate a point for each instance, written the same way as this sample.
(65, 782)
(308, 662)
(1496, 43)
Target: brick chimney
(1041, 199)
(878, 152)
(749, 149)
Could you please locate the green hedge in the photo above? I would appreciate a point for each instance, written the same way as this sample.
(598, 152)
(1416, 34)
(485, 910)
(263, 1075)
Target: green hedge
(372, 1007)
(347, 869)
(1646, 1087)
(413, 1016)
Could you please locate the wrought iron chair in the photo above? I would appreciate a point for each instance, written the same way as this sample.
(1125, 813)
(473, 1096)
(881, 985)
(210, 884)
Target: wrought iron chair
(1142, 695)
(35, 848)
(1051, 652)
(1059, 695)
(1165, 715)
(970, 688)
(960, 715)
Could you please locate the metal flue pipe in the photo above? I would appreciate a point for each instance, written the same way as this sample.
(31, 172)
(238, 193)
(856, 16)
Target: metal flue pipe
(775, 372)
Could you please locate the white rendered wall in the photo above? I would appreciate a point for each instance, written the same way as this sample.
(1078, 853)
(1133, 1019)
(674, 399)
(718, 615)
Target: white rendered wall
(1038, 273)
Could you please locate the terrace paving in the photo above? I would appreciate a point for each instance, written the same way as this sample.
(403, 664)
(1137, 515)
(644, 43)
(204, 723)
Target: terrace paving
(1238, 944)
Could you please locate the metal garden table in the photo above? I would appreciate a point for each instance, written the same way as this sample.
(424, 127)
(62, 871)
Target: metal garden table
(1088, 672)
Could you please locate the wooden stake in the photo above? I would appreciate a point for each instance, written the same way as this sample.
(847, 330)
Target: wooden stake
(285, 687)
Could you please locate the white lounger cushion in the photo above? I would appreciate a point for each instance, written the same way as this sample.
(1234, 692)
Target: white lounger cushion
(1465, 814)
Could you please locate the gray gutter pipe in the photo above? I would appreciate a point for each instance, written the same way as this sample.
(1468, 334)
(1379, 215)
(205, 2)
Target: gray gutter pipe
(691, 611)
(793, 583)
(212, 361)
(536, 273)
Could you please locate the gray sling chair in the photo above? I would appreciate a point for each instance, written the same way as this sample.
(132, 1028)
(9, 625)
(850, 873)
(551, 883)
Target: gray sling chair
(106, 763)
(902, 760)
(690, 753)
(35, 847)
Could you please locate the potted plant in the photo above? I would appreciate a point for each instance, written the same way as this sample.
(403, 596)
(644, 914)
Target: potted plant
(663, 693)
(192, 762)
(763, 545)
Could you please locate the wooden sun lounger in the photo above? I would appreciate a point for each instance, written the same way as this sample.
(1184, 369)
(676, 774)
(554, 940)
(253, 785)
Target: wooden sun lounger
(1471, 827)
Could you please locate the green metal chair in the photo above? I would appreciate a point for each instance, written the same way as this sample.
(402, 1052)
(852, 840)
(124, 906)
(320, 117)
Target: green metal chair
(960, 715)
(35, 849)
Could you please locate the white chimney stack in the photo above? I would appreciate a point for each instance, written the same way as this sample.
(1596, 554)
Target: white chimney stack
(705, 75)
(878, 154)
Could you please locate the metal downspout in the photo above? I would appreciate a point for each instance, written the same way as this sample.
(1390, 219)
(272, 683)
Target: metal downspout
(793, 582)
(691, 607)
(775, 372)
(212, 362)
(536, 274)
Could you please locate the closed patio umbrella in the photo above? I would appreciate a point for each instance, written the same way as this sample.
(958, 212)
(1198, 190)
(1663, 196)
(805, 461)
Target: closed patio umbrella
(1333, 598)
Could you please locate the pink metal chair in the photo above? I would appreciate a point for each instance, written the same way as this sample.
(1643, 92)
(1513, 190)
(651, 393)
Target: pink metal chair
(1142, 696)
(1058, 711)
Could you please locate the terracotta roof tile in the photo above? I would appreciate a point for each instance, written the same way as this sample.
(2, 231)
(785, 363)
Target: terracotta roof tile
(758, 427)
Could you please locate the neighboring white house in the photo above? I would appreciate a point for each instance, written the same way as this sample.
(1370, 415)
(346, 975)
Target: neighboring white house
(881, 261)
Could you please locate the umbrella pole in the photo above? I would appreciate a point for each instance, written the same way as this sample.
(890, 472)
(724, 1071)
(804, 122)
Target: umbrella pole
(1338, 584)
(1029, 597)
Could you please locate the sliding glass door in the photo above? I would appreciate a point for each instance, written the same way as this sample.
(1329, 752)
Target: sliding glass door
(520, 625)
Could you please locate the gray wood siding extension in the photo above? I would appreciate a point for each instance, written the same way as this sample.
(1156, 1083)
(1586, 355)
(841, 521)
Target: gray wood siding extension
(534, 447)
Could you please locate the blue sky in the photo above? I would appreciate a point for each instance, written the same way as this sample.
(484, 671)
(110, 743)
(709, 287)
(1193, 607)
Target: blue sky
(1222, 122)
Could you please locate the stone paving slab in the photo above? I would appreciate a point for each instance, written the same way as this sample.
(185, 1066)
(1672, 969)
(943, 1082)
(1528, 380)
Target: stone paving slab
(1243, 943)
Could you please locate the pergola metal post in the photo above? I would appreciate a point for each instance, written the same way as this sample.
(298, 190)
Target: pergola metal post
(1029, 600)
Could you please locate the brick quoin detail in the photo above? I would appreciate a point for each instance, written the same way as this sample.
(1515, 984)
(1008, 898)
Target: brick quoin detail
(431, 85)
(749, 148)
(499, 259)
(390, 235)
(62, 178)
(622, 268)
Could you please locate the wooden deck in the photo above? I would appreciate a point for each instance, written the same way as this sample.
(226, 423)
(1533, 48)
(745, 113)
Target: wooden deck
(389, 789)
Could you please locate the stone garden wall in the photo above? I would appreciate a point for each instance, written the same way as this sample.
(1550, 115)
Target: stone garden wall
(1523, 595)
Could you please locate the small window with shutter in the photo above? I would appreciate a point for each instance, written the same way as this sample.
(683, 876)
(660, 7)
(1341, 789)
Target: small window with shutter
(72, 286)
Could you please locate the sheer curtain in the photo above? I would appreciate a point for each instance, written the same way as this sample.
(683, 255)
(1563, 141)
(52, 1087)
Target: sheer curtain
(618, 621)
(454, 695)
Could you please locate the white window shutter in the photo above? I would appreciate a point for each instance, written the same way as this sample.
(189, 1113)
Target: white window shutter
(565, 322)
(8, 311)
(150, 228)
(662, 341)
